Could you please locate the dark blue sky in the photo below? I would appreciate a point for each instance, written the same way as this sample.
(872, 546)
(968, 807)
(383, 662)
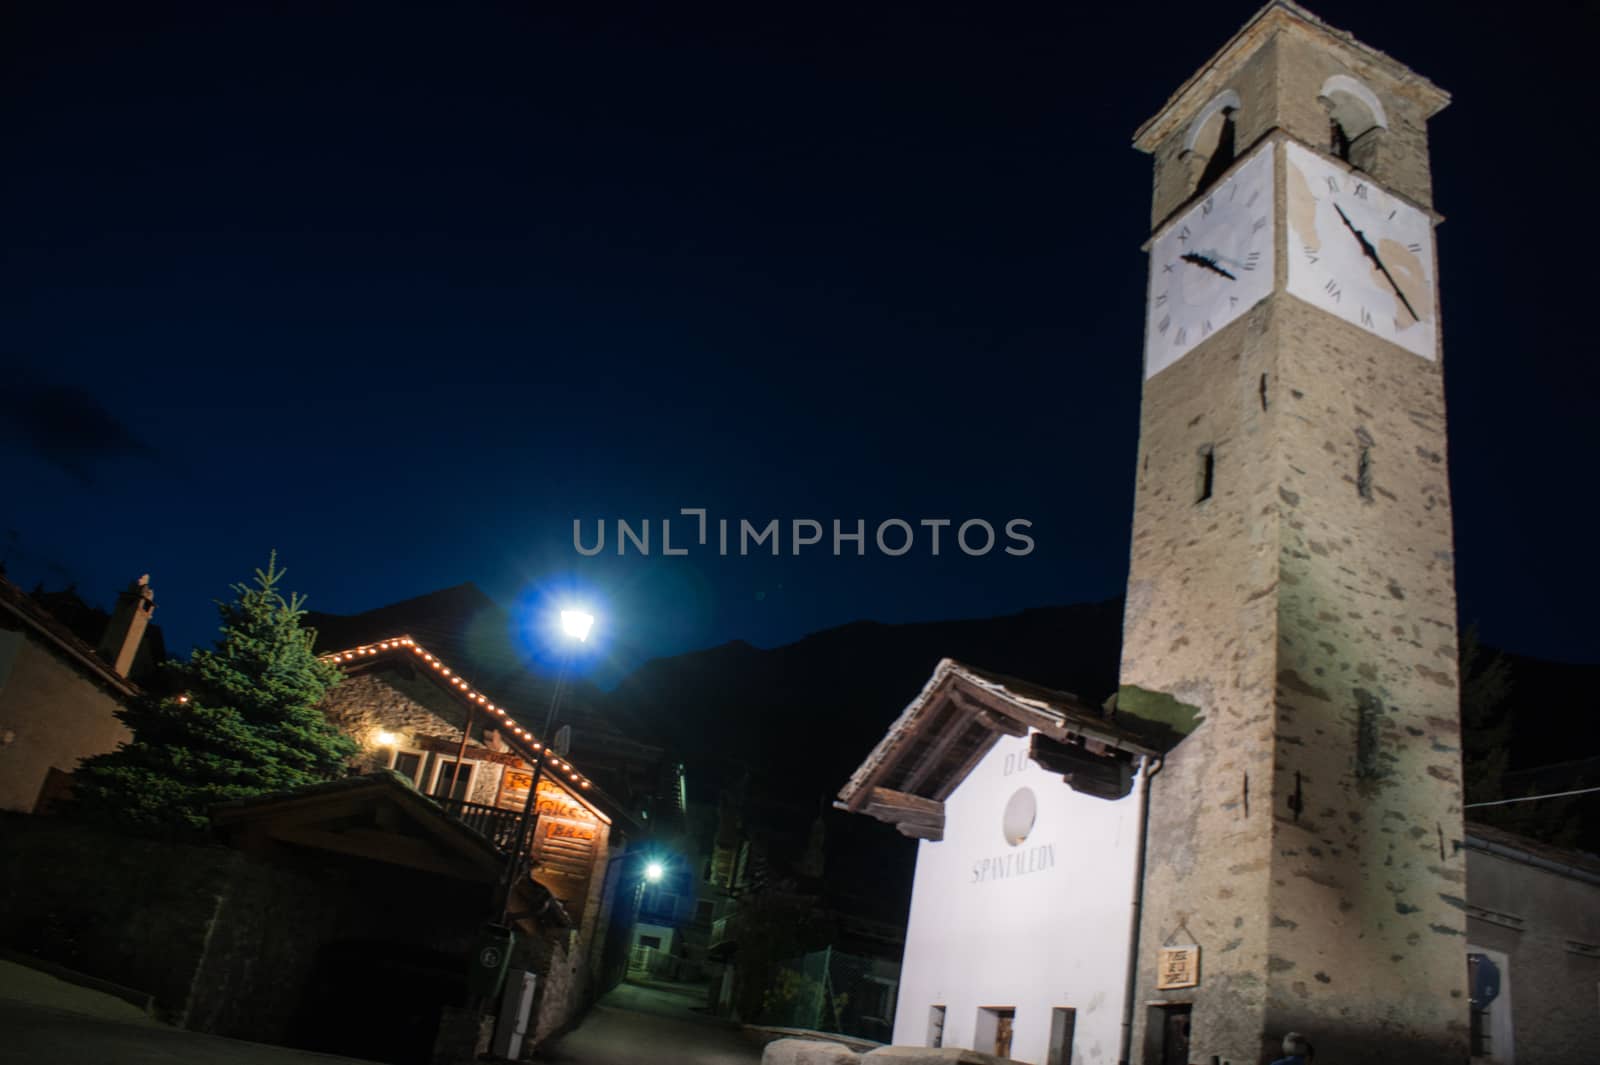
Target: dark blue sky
(403, 289)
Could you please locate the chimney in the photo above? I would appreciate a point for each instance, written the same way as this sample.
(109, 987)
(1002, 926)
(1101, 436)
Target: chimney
(121, 642)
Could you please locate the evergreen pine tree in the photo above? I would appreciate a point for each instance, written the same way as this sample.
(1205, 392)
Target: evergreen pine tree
(245, 721)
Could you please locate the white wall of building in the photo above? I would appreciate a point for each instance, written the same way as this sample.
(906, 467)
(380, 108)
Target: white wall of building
(1034, 925)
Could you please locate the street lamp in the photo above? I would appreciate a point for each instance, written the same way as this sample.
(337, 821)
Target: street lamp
(654, 872)
(575, 624)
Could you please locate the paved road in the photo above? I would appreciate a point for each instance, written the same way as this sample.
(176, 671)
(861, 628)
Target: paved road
(35, 1035)
(651, 1026)
(45, 1020)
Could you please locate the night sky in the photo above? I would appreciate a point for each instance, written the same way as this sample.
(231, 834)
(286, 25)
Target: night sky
(401, 290)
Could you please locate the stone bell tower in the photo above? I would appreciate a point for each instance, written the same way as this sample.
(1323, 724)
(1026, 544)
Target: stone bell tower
(1291, 597)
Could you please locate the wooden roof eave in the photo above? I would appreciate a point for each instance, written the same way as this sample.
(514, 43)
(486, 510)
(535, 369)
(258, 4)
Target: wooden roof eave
(988, 709)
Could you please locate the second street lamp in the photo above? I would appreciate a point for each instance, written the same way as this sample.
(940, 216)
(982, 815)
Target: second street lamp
(576, 625)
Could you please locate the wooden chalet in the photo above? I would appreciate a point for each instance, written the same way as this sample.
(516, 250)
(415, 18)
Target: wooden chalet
(428, 823)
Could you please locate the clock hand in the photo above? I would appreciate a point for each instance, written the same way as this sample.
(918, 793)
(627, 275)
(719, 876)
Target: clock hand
(1372, 253)
(1209, 264)
(1390, 278)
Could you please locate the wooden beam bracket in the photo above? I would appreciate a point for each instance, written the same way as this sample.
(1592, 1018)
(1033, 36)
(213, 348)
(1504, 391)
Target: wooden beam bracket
(912, 815)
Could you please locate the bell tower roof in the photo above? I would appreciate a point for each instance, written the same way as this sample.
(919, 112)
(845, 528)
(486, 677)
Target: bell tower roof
(1284, 17)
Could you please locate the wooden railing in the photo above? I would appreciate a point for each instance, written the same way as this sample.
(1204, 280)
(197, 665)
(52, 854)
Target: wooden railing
(496, 824)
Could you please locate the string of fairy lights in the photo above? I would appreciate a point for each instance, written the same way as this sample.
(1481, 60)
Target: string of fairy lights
(406, 643)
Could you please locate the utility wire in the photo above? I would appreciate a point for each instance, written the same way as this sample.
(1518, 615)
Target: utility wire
(1531, 798)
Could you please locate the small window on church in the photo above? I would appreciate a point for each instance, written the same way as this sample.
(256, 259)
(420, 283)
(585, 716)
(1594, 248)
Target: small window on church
(936, 1026)
(1364, 474)
(1208, 472)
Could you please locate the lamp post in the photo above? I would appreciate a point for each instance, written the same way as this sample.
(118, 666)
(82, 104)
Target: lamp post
(575, 624)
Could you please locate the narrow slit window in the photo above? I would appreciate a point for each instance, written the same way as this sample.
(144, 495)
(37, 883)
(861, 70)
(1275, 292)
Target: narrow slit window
(1369, 713)
(1263, 391)
(1364, 474)
(1208, 474)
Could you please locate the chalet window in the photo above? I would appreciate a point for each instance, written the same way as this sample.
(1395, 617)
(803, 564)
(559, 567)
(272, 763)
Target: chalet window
(1063, 1020)
(936, 1026)
(445, 773)
(407, 763)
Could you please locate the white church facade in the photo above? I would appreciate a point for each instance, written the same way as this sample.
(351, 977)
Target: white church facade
(1020, 946)
(1019, 936)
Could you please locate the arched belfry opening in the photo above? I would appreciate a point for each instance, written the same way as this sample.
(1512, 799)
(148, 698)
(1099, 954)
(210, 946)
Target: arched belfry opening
(1209, 146)
(1356, 120)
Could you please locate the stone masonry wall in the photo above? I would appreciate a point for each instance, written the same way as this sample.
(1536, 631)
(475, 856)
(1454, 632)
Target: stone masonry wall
(220, 941)
(395, 700)
(1200, 626)
(1369, 877)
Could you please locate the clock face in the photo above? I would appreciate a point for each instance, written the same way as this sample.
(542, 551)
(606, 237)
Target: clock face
(1210, 264)
(1360, 253)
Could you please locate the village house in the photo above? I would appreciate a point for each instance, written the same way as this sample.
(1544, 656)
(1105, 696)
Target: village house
(59, 692)
(415, 717)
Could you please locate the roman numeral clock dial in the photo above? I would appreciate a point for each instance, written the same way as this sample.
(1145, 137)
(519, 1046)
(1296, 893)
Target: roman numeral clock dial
(1360, 253)
(1211, 263)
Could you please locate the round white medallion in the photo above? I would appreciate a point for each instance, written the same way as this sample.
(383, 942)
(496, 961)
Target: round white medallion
(1017, 821)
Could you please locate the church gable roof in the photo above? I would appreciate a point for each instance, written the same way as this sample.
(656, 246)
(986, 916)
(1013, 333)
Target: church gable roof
(957, 718)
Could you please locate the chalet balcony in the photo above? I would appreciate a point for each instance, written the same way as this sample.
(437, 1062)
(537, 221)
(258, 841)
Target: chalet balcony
(495, 823)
